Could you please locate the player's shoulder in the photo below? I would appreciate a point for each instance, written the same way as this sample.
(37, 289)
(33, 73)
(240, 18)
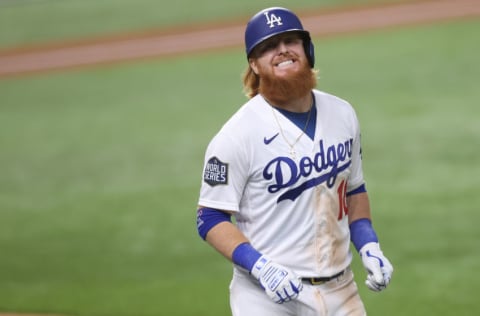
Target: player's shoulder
(250, 114)
(327, 102)
(247, 115)
(330, 99)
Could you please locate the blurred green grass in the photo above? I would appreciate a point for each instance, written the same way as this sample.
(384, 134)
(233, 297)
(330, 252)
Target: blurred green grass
(101, 170)
(24, 22)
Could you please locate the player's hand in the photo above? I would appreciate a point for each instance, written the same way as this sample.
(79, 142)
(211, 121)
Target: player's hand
(377, 265)
(280, 284)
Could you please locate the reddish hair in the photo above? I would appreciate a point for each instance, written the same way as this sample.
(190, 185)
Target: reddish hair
(251, 82)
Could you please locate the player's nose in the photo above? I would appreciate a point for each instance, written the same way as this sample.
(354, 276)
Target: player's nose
(282, 47)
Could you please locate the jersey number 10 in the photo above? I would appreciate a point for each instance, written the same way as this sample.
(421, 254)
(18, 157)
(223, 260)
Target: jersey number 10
(342, 200)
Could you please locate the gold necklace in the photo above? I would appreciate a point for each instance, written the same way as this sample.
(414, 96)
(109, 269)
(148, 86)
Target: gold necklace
(293, 153)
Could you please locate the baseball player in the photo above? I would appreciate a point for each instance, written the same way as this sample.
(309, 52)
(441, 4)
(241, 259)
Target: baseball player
(287, 167)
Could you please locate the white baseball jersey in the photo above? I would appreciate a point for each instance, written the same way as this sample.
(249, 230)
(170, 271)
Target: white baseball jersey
(292, 210)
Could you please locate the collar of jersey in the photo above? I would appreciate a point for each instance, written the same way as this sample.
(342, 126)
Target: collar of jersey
(300, 119)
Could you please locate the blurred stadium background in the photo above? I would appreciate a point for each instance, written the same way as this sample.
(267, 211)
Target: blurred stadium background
(100, 167)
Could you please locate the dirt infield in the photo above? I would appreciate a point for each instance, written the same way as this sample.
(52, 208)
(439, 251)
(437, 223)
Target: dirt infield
(17, 314)
(198, 38)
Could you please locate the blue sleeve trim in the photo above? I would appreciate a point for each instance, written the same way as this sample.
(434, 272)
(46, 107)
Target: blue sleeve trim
(360, 189)
(245, 256)
(361, 233)
(207, 218)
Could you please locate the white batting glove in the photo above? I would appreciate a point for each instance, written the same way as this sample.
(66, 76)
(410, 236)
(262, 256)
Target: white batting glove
(377, 265)
(280, 284)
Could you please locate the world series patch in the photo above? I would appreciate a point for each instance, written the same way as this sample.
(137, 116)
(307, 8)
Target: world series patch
(216, 172)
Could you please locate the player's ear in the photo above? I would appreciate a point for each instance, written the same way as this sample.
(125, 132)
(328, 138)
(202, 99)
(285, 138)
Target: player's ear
(253, 65)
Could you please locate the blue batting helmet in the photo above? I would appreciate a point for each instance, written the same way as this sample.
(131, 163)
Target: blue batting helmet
(273, 21)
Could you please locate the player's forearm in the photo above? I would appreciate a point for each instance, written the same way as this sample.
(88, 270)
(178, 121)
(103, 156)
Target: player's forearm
(365, 240)
(361, 229)
(358, 207)
(225, 238)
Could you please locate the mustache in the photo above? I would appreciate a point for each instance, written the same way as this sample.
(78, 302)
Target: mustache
(287, 55)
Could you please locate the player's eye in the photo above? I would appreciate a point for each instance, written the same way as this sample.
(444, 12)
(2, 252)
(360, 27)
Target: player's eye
(292, 40)
(271, 44)
(267, 46)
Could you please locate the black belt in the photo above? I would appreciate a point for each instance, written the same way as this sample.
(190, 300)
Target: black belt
(318, 281)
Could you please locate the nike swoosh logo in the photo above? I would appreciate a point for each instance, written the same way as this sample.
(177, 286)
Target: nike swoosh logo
(269, 140)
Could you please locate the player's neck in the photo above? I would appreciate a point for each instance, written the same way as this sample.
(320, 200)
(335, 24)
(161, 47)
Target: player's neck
(298, 105)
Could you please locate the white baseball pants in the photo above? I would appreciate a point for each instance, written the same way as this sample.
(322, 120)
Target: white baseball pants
(337, 297)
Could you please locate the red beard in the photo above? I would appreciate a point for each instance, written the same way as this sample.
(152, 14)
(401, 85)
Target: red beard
(291, 87)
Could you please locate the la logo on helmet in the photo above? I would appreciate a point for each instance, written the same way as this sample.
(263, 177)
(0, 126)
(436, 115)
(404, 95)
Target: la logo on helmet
(272, 19)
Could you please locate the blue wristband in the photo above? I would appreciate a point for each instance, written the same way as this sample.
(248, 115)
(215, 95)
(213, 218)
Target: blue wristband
(361, 233)
(245, 256)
